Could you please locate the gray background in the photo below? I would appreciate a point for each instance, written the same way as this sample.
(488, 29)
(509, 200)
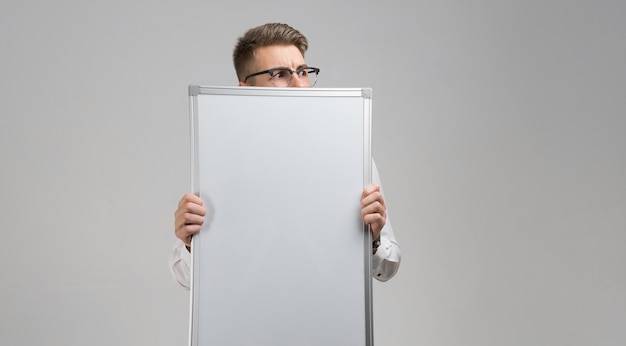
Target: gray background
(499, 132)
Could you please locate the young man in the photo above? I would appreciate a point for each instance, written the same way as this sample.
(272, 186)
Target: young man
(273, 55)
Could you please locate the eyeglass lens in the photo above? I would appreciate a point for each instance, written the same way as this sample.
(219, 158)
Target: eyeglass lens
(283, 77)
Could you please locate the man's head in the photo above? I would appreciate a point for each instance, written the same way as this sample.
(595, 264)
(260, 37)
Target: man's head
(269, 53)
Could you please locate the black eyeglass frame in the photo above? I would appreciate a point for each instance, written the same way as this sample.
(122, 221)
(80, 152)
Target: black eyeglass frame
(285, 69)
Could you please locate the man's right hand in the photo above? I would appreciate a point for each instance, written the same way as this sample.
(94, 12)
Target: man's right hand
(189, 217)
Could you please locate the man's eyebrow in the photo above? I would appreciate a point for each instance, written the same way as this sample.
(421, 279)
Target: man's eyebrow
(288, 68)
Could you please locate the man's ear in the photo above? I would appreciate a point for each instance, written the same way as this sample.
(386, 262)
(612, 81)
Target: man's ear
(243, 84)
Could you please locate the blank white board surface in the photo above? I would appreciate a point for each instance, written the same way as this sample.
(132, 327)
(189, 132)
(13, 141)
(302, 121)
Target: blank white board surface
(283, 257)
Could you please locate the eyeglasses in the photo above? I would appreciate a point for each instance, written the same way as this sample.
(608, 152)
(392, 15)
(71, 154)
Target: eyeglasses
(281, 76)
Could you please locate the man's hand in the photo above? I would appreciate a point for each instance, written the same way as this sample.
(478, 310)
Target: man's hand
(189, 217)
(373, 209)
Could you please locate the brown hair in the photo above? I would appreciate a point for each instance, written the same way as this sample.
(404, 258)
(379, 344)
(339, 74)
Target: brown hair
(269, 34)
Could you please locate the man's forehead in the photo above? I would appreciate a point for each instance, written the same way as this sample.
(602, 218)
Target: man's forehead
(278, 56)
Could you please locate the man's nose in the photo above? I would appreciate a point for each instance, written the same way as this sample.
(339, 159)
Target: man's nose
(299, 82)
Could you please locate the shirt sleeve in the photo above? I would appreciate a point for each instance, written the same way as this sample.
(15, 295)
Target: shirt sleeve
(180, 264)
(386, 260)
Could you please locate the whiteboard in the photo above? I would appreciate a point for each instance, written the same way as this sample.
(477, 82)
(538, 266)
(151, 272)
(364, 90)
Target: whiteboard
(283, 257)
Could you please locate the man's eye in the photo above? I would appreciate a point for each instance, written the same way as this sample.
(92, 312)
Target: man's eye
(303, 73)
(280, 74)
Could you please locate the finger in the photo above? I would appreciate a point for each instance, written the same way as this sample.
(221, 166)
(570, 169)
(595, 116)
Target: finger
(191, 208)
(190, 198)
(187, 231)
(376, 222)
(374, 197)
(370, 189)
(373, 218)
(188, 219)
(374, 208)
